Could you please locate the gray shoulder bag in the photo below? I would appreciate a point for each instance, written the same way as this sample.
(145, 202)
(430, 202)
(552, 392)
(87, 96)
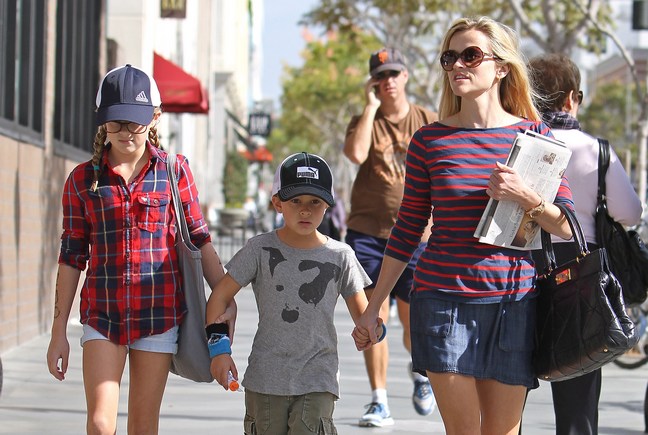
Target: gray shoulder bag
(191, 361)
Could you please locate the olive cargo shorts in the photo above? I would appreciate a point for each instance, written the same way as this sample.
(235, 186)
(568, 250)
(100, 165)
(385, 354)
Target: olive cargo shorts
(310, 413)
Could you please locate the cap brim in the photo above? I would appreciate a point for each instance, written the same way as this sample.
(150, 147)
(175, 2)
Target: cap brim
(290, 192)
(137, 113)
(387, 67)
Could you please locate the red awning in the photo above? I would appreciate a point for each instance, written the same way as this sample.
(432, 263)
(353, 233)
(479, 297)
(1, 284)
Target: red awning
(180, 92)
(260, 154)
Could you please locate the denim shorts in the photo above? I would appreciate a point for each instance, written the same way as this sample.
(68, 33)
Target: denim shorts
(484, 341)
(310, 413)
(370, 252)
(167, 342)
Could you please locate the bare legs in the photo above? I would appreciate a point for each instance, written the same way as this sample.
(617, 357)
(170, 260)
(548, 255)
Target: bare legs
(470, 406)
(103, 366)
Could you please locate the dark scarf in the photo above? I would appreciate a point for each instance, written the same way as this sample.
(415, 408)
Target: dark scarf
(560, 121)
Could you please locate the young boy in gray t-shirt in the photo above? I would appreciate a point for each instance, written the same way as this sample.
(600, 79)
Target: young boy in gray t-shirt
(297, 274)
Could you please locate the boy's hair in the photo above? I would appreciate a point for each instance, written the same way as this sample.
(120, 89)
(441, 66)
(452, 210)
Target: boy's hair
(304, 174)
(554, 77)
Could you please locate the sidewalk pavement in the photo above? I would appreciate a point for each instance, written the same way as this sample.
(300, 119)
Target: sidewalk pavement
(33, 402)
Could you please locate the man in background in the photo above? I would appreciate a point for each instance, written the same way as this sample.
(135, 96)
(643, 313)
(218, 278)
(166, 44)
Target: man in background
(377, 140)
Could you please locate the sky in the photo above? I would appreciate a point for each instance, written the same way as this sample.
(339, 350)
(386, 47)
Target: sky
(281, 41)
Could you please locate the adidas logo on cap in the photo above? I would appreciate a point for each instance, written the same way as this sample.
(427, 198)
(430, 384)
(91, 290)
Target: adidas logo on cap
(141, 97)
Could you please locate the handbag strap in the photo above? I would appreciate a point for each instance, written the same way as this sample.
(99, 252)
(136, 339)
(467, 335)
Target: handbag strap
(601, 213)
(578, 238)
(603, 165)
(181, 221)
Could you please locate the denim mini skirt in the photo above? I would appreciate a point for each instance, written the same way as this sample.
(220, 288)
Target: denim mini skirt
(484, 341)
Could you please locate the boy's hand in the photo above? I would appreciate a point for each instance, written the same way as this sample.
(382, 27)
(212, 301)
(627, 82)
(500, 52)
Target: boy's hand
(220, 366)
(362, 338)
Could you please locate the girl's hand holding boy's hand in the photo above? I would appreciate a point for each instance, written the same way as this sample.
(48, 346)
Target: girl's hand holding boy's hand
(229, 317)
(221, 365)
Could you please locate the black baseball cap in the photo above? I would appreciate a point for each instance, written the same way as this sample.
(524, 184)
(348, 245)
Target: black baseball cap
(386, 59)
(129, 94)
(304, 174)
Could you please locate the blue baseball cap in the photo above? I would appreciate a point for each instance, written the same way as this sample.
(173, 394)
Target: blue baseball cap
(129, 94)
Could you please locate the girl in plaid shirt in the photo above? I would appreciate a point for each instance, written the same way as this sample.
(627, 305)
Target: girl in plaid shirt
(118, 221)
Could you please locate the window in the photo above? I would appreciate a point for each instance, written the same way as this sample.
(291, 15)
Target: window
(77, 72)
(22, 71)
(22, 55)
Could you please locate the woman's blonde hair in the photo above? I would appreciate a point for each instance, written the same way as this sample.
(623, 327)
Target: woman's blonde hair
(100, 143)
(516, 92)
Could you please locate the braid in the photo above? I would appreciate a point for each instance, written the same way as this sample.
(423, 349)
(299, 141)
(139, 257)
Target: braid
(98, 146)
(152, 134)
(153, 137)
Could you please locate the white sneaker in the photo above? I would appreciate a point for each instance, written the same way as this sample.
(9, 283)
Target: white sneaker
(377, 415)
(422, 398)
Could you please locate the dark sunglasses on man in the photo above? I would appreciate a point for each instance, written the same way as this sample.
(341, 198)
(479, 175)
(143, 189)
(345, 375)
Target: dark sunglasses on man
(471, 57)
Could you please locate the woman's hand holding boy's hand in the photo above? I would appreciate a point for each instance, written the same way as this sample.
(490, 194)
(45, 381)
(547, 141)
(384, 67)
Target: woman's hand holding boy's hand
(362, 337)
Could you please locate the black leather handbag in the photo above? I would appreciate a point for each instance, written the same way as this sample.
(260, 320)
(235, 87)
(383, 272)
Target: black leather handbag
(627, 252)
(582, 322)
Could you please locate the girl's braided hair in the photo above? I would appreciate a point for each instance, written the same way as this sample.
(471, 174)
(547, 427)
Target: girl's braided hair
(100, 143)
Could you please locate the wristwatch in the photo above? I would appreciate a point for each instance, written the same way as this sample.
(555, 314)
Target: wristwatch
(537, 210)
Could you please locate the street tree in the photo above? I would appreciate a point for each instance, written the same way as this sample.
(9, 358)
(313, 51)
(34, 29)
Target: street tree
(320, 97)
(640, 89)
(416, 27)
(607, 106)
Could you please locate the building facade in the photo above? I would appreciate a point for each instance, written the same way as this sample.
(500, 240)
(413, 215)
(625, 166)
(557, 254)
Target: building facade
(53, 55)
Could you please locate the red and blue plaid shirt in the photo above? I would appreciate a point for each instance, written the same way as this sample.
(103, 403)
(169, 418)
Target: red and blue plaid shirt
(125, 234)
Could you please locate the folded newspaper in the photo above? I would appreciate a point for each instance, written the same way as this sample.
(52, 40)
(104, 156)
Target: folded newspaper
(541, 161)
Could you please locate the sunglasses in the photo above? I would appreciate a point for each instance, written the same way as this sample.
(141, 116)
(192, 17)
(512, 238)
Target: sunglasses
(471, 57)
(579, 97)
(117, 126)
(387, 74)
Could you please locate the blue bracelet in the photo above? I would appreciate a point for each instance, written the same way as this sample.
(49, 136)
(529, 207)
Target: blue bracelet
(219, 344)
(384, 333)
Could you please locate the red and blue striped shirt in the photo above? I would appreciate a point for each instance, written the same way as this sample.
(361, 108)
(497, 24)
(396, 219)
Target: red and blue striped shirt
(448, 168)
(125, 234)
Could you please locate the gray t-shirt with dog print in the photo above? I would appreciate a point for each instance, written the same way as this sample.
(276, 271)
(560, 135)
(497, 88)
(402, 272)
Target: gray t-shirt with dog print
(294, 350)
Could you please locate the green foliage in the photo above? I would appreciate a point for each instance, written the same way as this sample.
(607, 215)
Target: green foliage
(320, 96)
(557, 26)
(612, 114)
(235, 179)
(417, 26)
